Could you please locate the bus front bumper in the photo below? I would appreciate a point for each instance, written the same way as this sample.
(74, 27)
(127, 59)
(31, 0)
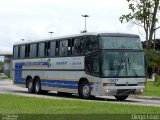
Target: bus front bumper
(122, 90)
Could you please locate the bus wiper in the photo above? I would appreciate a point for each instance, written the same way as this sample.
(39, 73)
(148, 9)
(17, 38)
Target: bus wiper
(130, 65)
(121, 66)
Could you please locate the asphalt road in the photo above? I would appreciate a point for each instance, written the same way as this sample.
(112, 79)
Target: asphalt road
(7, 86)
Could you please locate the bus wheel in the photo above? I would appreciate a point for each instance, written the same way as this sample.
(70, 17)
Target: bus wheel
(37, 86)
(121, 98)
(30, 86)
(84, 90)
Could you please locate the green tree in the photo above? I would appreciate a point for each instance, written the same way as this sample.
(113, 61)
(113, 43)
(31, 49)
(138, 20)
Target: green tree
(143, 13)
(154, 59)
(1, 63)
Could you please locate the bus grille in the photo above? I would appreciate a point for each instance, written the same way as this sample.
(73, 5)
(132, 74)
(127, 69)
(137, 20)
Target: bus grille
(126, 85)
(125, 91)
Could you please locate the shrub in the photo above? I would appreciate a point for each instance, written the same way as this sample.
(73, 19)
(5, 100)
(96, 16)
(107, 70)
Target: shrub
(157, 80)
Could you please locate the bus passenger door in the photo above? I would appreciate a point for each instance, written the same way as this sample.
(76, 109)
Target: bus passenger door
(92, 68)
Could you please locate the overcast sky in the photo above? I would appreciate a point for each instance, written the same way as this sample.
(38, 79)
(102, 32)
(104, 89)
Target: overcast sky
(33, 19)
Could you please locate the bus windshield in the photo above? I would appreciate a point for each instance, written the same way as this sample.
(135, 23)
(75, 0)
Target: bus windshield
(121, 64)
(120, 43)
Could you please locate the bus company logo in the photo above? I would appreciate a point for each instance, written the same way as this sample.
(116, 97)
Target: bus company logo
(49, 62)
(112, 80)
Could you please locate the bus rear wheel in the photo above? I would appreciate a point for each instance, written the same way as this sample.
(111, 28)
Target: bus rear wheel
(37, 86)
(30, 86)
(84, 90)
(121, 98)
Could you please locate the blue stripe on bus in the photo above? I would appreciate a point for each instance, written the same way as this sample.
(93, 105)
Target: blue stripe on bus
(63, 86)
(60, 83)
(50, 83)
(56, 83)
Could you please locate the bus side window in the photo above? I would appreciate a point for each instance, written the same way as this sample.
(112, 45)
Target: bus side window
(41, 49)
(37, 52)
(52, 49)
(64, 48)
(16, 52)
(77, 48)
(94, 43)
(92, 64)
(34, 50)
(70, 46)
(22, 51)
(57, 48)
(90, 44)
(27, 51)
(47, 48)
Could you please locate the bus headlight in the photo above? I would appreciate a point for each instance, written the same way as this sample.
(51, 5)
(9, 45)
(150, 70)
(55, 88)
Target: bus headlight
(108, 84)
(108, 91)
(142, 90)
(141, 84)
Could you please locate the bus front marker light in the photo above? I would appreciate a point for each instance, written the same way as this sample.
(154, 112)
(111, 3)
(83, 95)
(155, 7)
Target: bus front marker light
(108, 91)
(108, 84)
(104, 84)
(111, 84)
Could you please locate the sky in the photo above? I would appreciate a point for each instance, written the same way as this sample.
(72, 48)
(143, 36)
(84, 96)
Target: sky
(33, 19)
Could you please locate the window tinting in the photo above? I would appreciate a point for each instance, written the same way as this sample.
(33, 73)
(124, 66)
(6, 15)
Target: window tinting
(22, 51)
(47, 49)
(34, 50)
(41, 49)
(63, 48)
(16, 52)
(92, 64)
(57, 48)
(90, 44)
(67, 47)
(27, 51)
(77, 49)
(120, 63)
(70, 45)
(84, 45)
(120, 43)
(52, 49)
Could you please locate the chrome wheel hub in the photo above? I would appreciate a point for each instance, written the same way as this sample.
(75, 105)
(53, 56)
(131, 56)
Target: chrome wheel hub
(37, 86)
(86, 90)
(30, 85)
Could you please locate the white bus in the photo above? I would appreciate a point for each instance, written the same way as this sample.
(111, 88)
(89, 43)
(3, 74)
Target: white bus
(88, 64)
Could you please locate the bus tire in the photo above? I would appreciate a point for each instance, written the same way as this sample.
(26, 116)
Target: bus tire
(84, 90)
(121, 98)
(37, 86)
(30, 86)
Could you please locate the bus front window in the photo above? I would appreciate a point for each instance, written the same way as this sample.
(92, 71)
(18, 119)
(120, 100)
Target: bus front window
(121, 64)
(120, 43)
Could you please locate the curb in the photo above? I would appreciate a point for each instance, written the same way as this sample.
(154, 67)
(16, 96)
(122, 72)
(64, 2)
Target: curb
(146, 97)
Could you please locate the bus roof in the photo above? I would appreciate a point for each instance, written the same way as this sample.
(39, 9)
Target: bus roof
(80, 35)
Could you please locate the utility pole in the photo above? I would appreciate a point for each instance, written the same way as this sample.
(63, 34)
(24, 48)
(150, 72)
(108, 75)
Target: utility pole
(85, 23)
(51, 33)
